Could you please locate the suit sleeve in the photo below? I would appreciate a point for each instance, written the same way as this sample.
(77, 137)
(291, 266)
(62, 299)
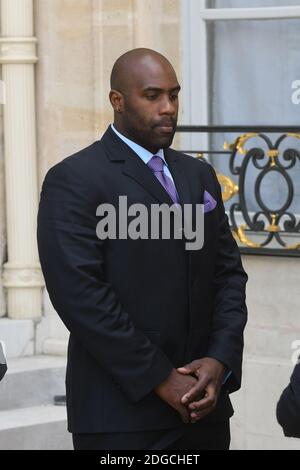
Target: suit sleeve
(229, 310)
(288, 407)
(72, 260)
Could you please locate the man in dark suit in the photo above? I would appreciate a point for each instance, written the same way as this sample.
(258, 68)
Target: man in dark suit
(156, 330)
(288, 407)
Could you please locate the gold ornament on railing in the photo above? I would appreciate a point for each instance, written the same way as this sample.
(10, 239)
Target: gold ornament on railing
(273, 154)
(292, 134)
(239, 143)
(230, 188)
(274, 227)
(242, 237)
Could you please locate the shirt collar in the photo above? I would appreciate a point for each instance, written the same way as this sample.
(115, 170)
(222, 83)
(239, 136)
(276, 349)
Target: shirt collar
(143, 153)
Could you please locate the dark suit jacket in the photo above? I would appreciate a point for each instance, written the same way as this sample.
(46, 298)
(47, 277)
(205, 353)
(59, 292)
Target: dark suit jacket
(136, 308)
(288, 407)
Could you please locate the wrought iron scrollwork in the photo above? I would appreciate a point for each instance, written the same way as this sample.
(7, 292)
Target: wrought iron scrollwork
(268, 229)
(269, 223)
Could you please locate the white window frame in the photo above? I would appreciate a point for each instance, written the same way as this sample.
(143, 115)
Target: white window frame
(195, 77)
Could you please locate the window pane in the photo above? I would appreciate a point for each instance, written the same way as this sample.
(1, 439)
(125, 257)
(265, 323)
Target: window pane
(253, 66)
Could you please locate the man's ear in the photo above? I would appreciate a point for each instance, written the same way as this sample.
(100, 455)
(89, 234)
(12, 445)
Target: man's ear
(116, 99)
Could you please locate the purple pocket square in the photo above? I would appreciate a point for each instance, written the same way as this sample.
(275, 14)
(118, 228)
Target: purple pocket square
(209, 202)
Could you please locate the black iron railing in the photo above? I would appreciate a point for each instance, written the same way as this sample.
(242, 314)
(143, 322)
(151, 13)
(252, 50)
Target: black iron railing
(266, 230)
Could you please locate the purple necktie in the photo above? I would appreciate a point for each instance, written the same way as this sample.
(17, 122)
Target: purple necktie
(156, 164)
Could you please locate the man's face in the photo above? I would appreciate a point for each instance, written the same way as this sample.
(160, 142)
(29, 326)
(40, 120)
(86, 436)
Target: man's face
(150, 106)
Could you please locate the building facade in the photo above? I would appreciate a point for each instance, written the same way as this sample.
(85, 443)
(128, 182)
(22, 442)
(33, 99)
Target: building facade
(56, 58)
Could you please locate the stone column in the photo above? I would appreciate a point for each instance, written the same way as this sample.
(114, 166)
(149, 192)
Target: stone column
(22, 274)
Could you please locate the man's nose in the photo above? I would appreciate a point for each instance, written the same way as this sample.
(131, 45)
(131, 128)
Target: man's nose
(167, 106)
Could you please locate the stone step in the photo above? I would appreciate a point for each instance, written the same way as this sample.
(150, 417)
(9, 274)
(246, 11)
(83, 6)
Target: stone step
(35, 428)
(32, 381)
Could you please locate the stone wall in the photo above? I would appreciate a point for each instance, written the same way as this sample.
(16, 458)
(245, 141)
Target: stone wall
(78, 44)
(273, 306)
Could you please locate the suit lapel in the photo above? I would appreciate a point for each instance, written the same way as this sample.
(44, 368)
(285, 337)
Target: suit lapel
(135, 168)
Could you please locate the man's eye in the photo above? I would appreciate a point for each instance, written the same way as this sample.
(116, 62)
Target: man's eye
(174, 97)
(151, 97)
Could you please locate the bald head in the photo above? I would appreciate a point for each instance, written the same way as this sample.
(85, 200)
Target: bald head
(130, 66)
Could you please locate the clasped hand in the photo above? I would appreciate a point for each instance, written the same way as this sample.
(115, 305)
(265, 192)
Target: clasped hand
(202, 398)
